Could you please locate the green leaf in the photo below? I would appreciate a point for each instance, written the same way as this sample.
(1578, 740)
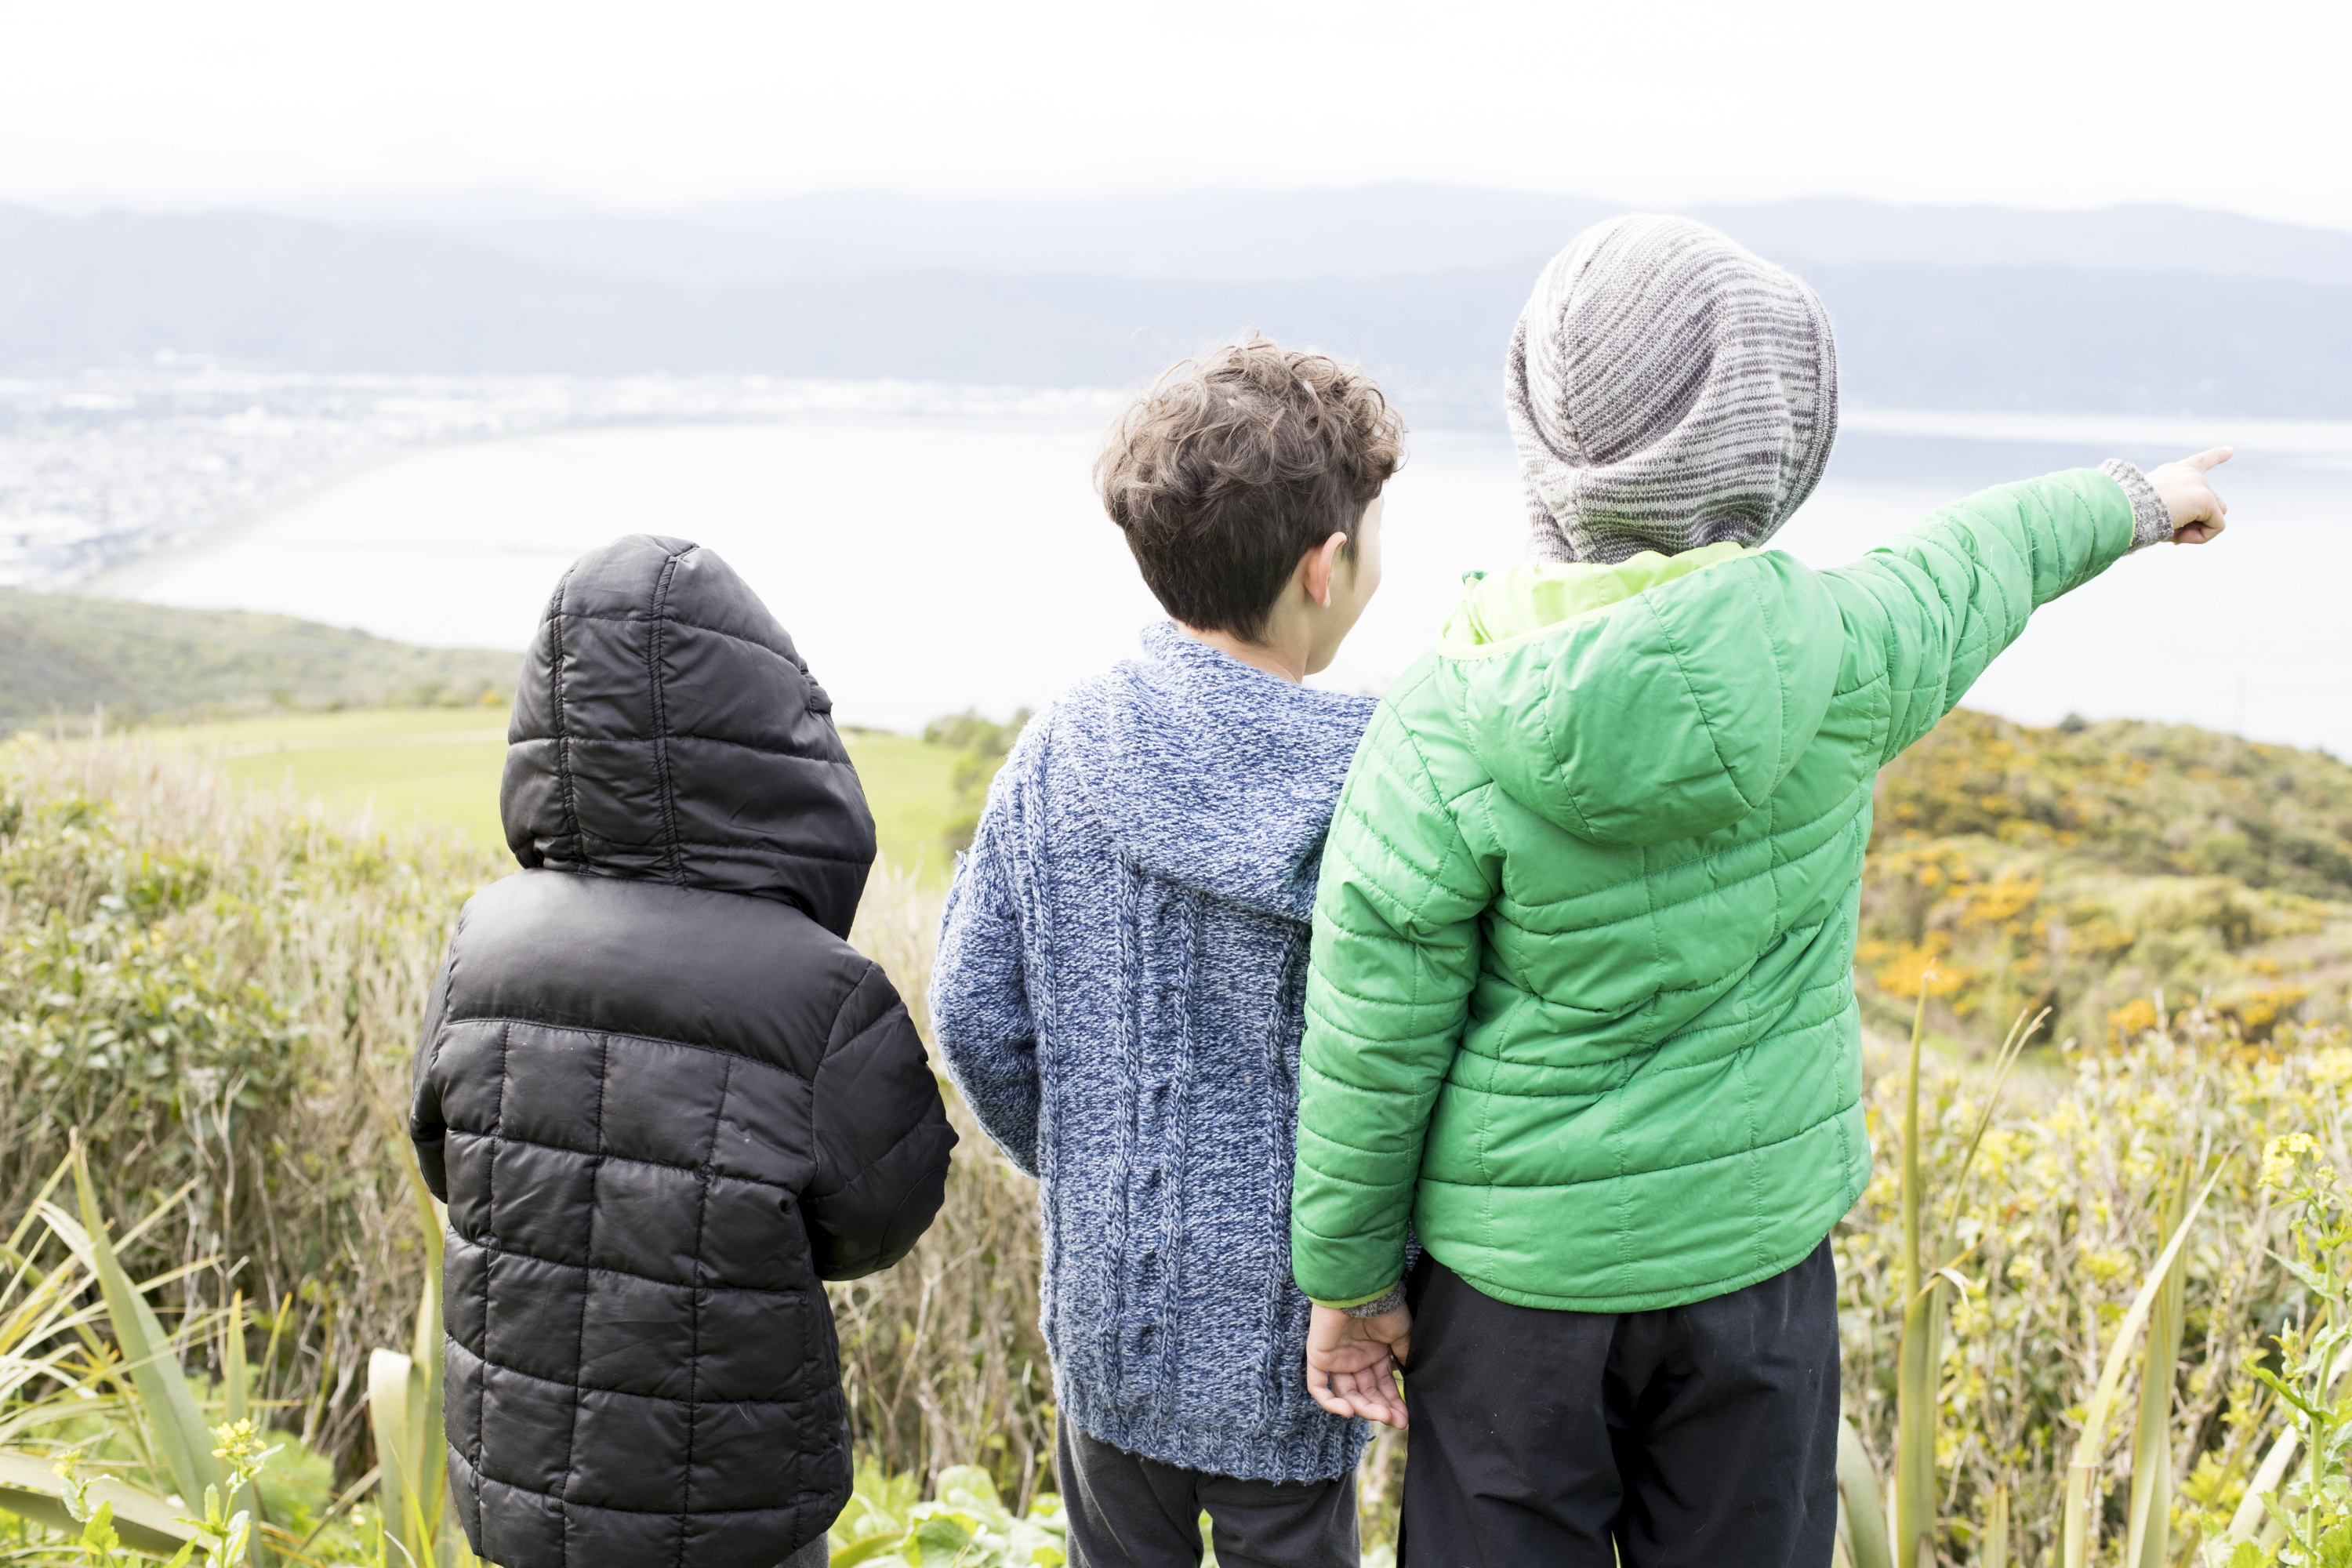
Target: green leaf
(867, 1548)
(163, 1394)
(31, 1488)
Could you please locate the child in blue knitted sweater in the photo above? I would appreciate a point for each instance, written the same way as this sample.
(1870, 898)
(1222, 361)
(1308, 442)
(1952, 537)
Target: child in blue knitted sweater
(1118, 989)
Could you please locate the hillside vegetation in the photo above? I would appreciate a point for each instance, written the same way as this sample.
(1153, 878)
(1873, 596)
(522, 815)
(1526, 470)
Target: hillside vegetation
(64, 653)
(217, 986)
(2092, 866)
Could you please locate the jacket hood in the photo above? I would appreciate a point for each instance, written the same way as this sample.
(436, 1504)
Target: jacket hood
(667, 731)
(1658, 698)
(1209, 774)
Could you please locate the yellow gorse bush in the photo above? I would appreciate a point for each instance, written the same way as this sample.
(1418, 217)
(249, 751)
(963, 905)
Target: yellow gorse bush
(2085, 868)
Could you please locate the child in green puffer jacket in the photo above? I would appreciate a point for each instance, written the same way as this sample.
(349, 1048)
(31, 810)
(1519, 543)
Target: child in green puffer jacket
(1581, 1010)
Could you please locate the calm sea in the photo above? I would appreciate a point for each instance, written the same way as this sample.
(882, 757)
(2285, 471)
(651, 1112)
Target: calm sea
(930, 564)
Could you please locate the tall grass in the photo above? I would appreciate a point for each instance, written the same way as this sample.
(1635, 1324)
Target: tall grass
(221, 989)
(942, 1358)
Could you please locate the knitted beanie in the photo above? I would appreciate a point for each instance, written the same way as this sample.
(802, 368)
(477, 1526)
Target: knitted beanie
(1667, 389)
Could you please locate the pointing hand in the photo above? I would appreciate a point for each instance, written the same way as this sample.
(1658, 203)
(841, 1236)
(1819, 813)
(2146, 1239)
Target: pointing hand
(2198, 514)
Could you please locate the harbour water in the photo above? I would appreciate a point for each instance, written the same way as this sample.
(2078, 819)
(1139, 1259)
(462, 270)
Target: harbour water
(930, 564)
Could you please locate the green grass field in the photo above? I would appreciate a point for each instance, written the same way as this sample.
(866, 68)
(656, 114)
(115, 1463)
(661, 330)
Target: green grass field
(405, 766)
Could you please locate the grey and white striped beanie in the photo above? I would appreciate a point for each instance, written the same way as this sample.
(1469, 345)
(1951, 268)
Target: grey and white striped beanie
(1667, 389)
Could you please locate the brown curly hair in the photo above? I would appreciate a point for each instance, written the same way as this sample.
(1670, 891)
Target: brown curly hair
(1236, 464)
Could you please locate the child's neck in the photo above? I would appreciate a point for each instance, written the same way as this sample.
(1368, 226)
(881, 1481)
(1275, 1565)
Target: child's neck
(1274, 655)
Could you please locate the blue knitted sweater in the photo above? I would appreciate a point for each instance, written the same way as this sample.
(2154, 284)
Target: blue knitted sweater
(1119, 995)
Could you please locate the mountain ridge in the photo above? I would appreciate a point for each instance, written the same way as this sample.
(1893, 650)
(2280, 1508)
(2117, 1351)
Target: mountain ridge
(279, 292)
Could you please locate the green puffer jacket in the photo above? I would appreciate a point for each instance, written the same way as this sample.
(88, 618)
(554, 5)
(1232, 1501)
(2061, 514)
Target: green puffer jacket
(1581, 1004)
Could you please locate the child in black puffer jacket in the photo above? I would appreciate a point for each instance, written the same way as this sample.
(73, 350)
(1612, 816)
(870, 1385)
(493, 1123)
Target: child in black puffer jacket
(662, 1096)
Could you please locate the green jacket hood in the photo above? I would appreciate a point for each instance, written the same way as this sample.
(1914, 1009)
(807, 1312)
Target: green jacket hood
(1656, 699)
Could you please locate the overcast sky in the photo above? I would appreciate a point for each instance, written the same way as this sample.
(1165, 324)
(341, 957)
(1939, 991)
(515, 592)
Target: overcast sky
(2042, 103)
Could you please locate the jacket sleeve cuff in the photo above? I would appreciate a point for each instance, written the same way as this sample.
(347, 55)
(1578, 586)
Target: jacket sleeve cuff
(1371, 1306)
(2151, 519)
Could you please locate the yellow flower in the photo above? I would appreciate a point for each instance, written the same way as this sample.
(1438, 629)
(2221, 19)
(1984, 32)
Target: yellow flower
(2106, 1264)
(2279, 1159)
(237, 1438)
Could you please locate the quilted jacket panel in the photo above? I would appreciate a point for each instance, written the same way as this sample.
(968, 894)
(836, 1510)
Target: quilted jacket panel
(1581, 1004)
(663, 1098)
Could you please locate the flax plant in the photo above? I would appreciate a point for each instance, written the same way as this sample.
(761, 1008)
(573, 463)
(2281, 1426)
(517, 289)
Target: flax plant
(2147, 1522)
(2078, 1528)
(1926, 1305)
(2097, 1183)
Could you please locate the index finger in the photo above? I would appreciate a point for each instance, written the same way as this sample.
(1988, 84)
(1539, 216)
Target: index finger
(2212, 457)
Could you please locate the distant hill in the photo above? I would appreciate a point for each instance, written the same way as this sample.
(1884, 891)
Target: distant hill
(2095, 868)
(1374, 231)
(64, 654)
(2137, 308)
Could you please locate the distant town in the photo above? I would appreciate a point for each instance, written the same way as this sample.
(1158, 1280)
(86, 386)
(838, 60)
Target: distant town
(102, 466)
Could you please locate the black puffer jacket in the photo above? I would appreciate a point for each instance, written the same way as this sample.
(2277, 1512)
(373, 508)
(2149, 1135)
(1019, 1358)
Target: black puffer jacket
(662, 1096)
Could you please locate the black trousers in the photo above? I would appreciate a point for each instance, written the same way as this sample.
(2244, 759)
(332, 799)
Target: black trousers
(1128, 1512)
(1696, 1437)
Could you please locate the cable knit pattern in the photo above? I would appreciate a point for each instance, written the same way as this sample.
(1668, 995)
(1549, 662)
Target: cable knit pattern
(1119, 995)
(1666, 389)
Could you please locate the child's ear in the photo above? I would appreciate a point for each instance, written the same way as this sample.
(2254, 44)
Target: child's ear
(1320, 565)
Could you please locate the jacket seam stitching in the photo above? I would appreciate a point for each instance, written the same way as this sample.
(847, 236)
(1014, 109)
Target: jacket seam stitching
(694, 1326)
(792, 658)
(562, 725)
(580, 1340)
(1807, 1130)
(1713, 741)
(664, 782)
(490, 1202)
(755, 852)
(1861, 787)
(507, 1023)
(783, 752)
(606, 1270)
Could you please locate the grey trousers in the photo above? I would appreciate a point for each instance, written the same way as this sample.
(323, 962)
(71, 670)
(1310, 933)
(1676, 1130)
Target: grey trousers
(1128, 1512)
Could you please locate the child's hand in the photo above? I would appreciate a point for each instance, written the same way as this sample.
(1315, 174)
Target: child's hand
(2198, 514)
(1352, 1363)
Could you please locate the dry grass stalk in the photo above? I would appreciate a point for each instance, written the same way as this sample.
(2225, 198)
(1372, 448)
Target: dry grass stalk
(942, 1357)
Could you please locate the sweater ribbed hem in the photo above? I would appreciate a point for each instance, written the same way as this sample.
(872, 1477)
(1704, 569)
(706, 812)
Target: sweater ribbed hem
(2151, 519)
(1327, 1449)
(1388, 1300)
